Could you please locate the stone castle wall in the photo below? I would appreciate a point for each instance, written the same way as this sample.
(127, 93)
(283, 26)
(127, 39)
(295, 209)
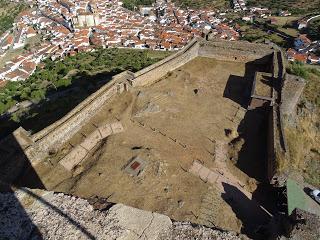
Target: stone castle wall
(276, 153)
(235, 51)
(154, 72)
(62, 130)
(292, 89)
(271, 166)
(286, 95)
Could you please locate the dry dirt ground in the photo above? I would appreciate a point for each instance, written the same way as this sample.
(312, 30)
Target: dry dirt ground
(184, 120)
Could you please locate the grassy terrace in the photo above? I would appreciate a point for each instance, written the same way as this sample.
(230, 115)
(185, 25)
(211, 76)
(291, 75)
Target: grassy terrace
(286, 25)
(66, 83)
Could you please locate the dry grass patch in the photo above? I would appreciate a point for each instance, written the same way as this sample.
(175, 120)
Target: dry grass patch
(304, 144)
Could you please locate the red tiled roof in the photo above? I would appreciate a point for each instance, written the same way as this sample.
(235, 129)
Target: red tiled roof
(300, 57)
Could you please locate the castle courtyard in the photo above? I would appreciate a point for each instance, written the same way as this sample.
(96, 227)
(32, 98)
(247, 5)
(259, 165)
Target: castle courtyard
(170, 153)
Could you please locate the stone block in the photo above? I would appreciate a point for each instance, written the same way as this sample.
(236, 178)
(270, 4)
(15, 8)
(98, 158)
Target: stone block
(117, 127)
(136, 166)
(105, 130)
(212, 178)
(22, 137)
(204, 173)
(73, 158)
(195, 168)
(92, 140)
(142, 224)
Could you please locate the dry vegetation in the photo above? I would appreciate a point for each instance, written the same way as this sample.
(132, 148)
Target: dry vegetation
(8, 12)
(203, 3)
(295, 6)
(303, 133)
(286, 24)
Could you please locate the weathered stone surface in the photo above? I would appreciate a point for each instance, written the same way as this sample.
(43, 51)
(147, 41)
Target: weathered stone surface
(73, 158)
(38, 214)
(105, 130)
(140, 224)
(149, 108)
(195, 168)
(117, 127)
(291, 92)
(185, 231)
(29, 214)
(22, 137)
(92, 140)
(212, 178)
(204, 173)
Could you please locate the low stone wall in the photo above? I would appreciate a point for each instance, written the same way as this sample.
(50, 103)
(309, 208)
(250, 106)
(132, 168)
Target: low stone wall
(80, 152)
(235, 51)
(62, 130)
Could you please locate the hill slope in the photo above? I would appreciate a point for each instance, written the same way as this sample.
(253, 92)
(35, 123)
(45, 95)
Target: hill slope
(203, 3)
(295, 6)
(8, 12)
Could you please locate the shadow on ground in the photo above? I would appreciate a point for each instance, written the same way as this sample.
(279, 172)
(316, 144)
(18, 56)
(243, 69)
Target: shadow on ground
(238, 88)
(57, 103)
(248, 211)
(252, 158)
(15, 222)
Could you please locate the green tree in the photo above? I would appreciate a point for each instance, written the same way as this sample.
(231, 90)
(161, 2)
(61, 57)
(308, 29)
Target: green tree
(38, 94)
(314, 30)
